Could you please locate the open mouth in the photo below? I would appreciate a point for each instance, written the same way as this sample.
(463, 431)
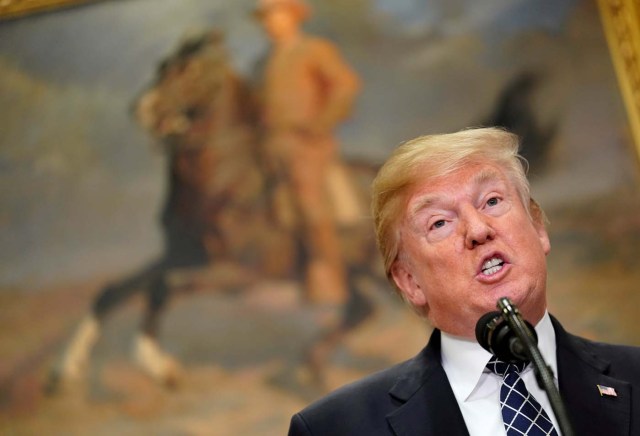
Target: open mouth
(492, 265)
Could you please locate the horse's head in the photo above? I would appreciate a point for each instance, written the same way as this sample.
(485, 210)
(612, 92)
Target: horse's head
(195, 87)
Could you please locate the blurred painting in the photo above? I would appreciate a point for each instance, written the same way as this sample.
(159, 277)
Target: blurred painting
(186, 242)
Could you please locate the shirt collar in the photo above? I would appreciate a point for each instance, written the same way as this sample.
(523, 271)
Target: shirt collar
(464, 360)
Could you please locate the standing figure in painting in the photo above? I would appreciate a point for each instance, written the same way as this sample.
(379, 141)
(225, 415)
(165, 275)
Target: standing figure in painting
(307, 90)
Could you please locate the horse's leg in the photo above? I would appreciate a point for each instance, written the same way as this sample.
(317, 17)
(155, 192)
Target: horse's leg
(147, 351)
(75, 357)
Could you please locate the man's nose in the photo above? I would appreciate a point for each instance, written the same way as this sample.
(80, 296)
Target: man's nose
(477, 228)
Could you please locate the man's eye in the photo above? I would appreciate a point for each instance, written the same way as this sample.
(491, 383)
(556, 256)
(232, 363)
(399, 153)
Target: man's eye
(493, 201)
(438, 224)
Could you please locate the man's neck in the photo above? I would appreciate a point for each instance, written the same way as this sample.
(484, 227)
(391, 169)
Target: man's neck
(288, 41)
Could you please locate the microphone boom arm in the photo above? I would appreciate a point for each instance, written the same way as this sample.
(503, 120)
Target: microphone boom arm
(544, 374)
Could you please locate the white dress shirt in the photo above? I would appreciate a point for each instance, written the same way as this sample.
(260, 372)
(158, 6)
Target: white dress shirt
(477, 389)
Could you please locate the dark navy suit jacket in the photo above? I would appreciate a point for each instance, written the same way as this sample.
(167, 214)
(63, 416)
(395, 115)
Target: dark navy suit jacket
(415, 398)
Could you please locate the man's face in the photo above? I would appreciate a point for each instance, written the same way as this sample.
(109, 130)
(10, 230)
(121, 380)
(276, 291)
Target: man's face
(466, 241)
(280, 23)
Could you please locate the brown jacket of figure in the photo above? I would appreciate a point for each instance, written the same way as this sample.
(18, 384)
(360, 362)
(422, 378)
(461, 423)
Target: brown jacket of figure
(307, 87)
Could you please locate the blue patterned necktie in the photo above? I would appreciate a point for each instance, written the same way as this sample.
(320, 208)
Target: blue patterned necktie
(521, 413)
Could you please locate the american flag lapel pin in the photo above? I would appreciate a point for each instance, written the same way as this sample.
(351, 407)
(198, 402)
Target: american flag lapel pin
(606, 390)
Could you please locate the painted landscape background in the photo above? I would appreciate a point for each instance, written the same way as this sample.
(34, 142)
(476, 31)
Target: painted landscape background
(82, 187)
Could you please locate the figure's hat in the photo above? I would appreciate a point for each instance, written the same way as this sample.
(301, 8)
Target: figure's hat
(300, 7)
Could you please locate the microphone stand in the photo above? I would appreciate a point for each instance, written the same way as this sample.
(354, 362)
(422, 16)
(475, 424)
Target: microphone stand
(544, 375)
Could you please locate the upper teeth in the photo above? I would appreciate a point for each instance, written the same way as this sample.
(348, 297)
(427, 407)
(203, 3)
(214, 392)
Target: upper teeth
(492, 266)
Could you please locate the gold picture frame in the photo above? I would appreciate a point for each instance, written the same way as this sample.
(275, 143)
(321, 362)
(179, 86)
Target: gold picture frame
(621, 22)
(17, 8)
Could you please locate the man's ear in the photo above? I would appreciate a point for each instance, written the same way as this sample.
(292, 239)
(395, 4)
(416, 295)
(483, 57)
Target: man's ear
(540, 221)
(407, 284)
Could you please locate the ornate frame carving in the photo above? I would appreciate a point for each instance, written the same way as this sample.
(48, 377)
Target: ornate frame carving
(16, 8)
(621, 22)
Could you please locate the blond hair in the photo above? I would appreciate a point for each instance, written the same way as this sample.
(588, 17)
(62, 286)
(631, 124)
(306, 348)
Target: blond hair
(427, 157)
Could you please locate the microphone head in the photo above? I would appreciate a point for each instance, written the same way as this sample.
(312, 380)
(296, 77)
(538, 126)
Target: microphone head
(485, 325)
(494, 335)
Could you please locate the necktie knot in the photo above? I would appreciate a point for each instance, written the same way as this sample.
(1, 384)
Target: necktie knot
(503, 368)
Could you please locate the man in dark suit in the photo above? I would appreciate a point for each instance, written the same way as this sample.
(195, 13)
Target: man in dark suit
(458, 230)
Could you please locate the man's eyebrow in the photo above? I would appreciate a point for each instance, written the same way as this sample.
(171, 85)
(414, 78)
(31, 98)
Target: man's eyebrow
(485, 175)
(424, 202)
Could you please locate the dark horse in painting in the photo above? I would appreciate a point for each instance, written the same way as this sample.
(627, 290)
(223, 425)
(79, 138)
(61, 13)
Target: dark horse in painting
(218, 210)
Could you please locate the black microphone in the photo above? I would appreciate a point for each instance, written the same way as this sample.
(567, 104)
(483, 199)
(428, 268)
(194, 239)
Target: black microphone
(512, 339)
(496, 336)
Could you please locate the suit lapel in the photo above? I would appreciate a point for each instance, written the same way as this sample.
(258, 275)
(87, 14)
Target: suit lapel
(580, 371)
(428, 405)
